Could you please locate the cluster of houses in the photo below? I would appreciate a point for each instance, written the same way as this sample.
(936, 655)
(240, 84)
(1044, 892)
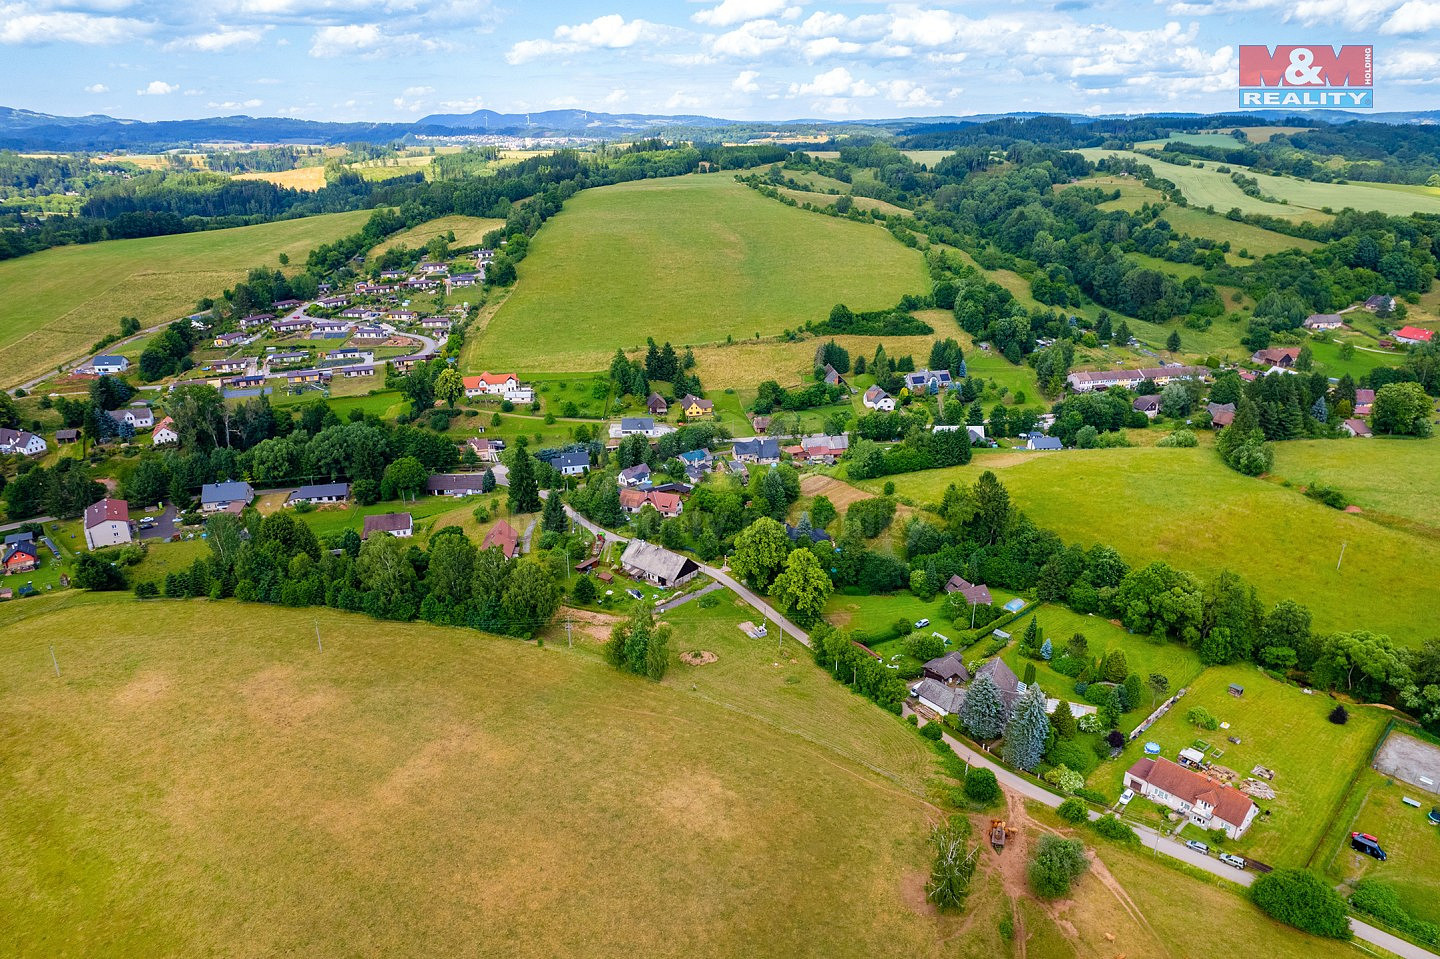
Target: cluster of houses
(1093, 381)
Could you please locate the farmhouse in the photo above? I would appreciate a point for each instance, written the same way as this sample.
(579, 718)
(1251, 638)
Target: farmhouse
(949, 669)
(1380, 304)
(1149, 405)
(109, 365)
(656, 406)
(1355, 427)
(137, 417)
(396, 524)
(693, 407)
(21, 441)
(320, 494)
(976, 594)
(1208, 804)
(666, 504)
(1412, 335)
(764, 451)
(164, 432)
(636, 475)
(107, 523)
(21, 557)
(229, 497)
(655, 564)
(1281, 356)
(1004, 679)
(1324, 321)
(1090, 381)
(824, 449)
(929, 381)
(455, 484)
(1221, 414)
(571, 462)
(491, 384)
(502, 536)
(877, 399)
(938, 697)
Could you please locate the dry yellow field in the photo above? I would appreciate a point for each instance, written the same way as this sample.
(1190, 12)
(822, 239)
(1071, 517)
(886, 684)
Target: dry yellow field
(469, 231)
(304, 178)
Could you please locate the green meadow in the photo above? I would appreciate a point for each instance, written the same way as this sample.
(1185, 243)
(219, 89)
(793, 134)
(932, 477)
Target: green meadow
(691, 259)
(60, 301)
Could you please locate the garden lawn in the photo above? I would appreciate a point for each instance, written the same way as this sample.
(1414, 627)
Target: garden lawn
(1185, 507)
(329, 520)
(1410, 842)
(873, 614)
(186, 798)
(690, 259)
(60, 301)
(1281, 728)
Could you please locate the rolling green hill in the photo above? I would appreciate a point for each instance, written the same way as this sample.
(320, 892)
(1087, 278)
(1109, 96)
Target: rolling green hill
(688, 259)
(60, 301)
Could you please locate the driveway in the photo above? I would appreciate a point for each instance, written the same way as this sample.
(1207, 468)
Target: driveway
(165, 525)
(682, 600)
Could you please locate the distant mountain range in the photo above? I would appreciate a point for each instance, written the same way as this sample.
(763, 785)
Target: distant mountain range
(28, 130)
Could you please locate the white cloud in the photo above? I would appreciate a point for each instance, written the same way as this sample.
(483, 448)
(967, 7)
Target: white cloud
(680, 100)
(97, 88)
(24, 23)
(745, 81)
(730, 12)
(616, 96)
(412, 100)
(752, 40)
(610, 32)
(829, 46)
(236, 104)
(157, 88)
(833, 83)
(907, 93)
(220, 39)
(1415, 16)
(368, 40)
(467, 105)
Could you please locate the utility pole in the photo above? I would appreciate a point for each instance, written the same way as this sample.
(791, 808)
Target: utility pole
(54, 661)
(318, 645)
(568, 640)
(1343, 544)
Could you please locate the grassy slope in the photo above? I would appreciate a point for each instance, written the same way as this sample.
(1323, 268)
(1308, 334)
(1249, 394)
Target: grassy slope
(1185, 507)
(691, 259)
(1204, 186)
(1392, 478)
(243, 793)
(469, 231)
(60, 301)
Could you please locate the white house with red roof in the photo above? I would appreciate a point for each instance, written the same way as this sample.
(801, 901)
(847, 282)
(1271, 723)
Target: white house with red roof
(107, 523)
(1412, 335)
(1205, 802)
(505, 386)
(164, 432)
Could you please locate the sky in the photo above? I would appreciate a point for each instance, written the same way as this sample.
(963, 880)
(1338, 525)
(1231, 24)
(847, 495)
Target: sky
(398, 60)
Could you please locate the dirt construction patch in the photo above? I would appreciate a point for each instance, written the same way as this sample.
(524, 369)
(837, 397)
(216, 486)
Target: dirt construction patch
(699, 657)
(841, 495)
(1410, 760)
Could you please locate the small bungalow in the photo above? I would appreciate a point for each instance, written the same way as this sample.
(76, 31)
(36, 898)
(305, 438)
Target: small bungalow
(656, 564)
(1039, 441)
(396, 524)
(656, 405)
(320, 494)
(639, 426)
(435, 323)
(226, 340)
(502, 536)
(363, 369)
(307, 376)
(1148, 404)
(455, 484)
(1205, 802)
(231, 496)
(877, 399)
(21, 557)
(109, 365)
(291, 325)
(370, 333)
(1281, 356)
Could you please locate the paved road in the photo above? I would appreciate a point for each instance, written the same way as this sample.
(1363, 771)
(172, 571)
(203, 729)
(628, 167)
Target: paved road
(1153, 840)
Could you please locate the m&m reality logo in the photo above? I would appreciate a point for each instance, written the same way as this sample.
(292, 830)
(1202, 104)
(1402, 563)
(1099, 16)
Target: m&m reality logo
(1307, 77)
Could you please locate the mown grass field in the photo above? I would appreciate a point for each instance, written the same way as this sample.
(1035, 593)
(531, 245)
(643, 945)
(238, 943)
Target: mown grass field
(1185, 507)
(691, 259)
(1279, 727)
(1205, 186)
(827, 199)
(302, 178)
(60, 301)
(1411, 843)
(1390, 478)
(469, 231)
(243, 792)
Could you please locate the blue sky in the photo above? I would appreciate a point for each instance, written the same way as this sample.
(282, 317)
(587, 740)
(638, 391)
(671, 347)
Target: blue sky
(745, 59)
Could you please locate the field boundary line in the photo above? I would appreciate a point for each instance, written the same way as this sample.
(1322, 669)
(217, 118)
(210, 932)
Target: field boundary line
(1344, 800)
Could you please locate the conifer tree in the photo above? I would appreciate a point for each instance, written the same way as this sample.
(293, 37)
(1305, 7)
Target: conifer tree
(983, 714)
(1029, 728)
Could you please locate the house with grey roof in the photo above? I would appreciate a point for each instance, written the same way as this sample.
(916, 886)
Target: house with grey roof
(763, 450)
(938, 697)
(231, 496)
(949, 669)
(656, 564)
(320, 494)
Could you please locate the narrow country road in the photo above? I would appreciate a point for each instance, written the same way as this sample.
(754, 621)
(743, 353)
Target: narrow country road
(679, 601)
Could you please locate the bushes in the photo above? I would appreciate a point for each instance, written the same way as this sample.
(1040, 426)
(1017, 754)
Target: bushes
(1056, 865)
(1064, 779)
(1339, 715)
(1328, 495)
(981, 786)
(1200, 716)
(1302, 899)
(1073, 810)
(932, 732)
(1379, 900)
(1183, 439)
(1111, 827)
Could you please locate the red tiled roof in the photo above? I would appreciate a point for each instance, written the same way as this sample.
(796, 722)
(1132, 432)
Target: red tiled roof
(503, 535)
(105, 511)
(1229, 803)
(488, 379)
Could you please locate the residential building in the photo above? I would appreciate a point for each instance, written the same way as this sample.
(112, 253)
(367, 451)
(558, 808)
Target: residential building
(164, 432)
(929, 381)
(639, 426)
(666, 504)
(350, 354)
(226, 340)
(976, 594)
(1149, 405)
(571, 462)
(320, 494)
(491, 384)
(1324, 321)
(949, 669)
(236, 364)
(1412, 335)
(435, 323)
(1281, 356)
(656, 564)
(824, 449)
(977, 433)
(1364, 400)
(21, 441)
(364, 369)
(461, 280)
(1039, 441)
(138, 416)
(487, 451)
(1221, 414)
(248, 382)
(402, 316)
(1356, 427)
(693, 407)
(109, 365)
(1205, 802)
(287, 304)
(1089, 381)
(107, 523)
(432, 267)
(291, 325)
(307, 376)
(396, 524)
(1380, 304)
(637, 475)
(655, 404)
(455, 484)
(21, 557)
(231, 496)
(502, 536)
(1004, 679)
(938, 697)
(369, 333)
(255, 320)
(698, 458)
(761, 450)
(877, 399)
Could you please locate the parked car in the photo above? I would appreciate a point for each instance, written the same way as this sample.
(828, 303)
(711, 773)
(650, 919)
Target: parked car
(1368, 844)
(921, 624)
(1198, 846)
(635, 593)
(1126, 796)
(1230, 859)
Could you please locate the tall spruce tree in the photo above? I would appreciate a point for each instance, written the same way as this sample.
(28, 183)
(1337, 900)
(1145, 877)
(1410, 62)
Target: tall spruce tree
(1029, 728)
(983, 714)
(524, 490)
(553, 518)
